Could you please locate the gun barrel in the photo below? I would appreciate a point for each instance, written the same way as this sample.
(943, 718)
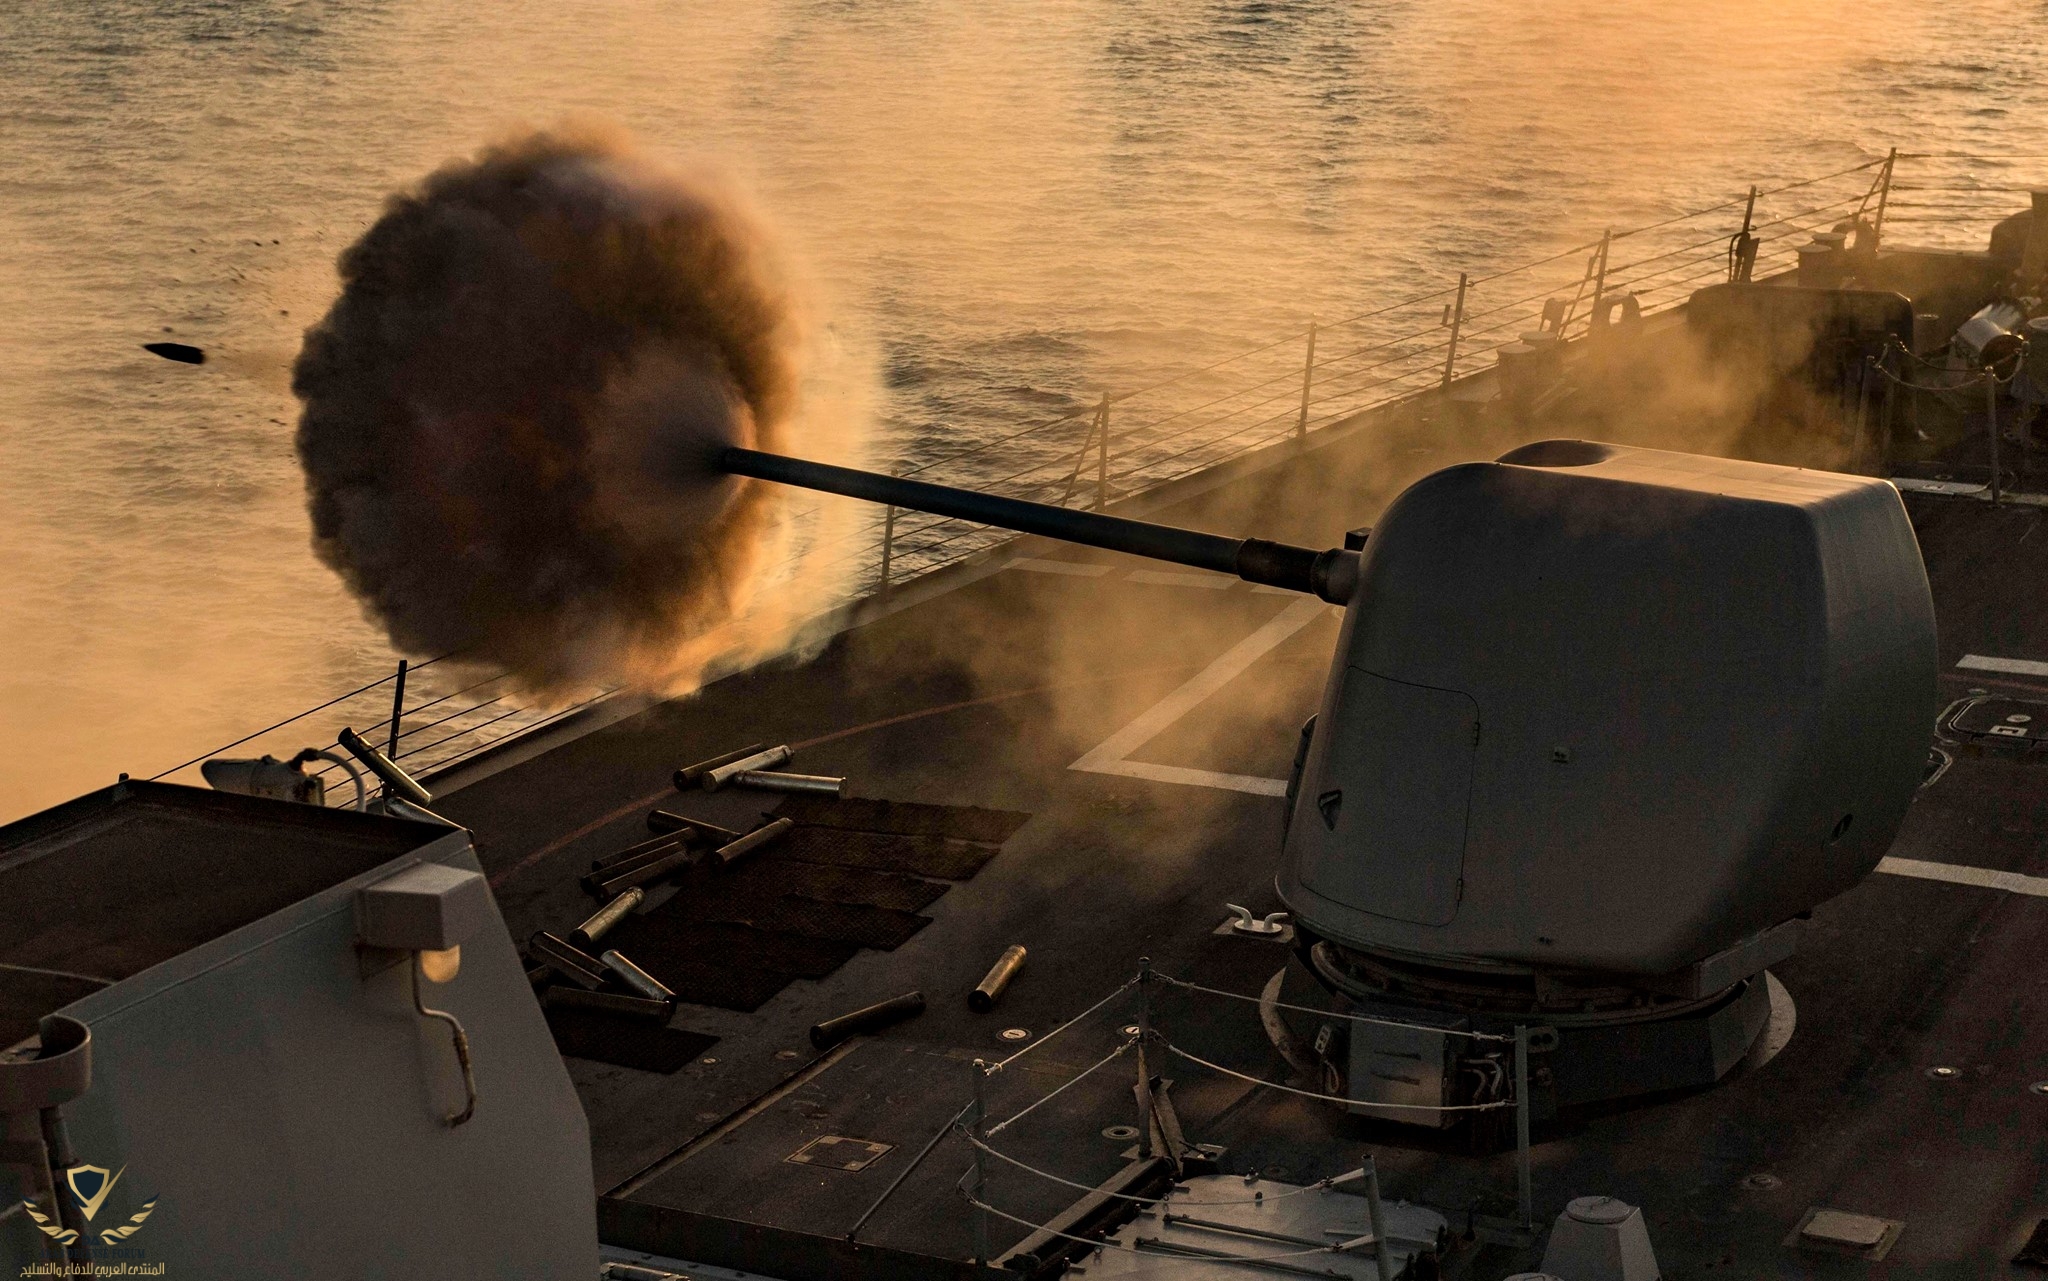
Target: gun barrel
(1329, 574)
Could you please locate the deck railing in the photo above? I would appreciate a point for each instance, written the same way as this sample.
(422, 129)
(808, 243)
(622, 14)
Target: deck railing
(1126, 442)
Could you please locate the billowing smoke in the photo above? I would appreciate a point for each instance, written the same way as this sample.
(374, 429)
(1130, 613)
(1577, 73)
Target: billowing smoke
(509, 408)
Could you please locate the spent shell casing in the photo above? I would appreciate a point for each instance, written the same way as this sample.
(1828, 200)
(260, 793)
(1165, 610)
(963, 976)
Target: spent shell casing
(719, 777)
(985, 995)
(774, 781)
(636, 978)
(691, 777)
(765, 834)
(602, 920)
(871, 1019)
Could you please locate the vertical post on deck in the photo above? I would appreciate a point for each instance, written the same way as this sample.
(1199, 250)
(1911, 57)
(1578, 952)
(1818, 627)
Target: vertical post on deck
(1379, 1225)
(979, 1130)
(1457, 325)
(1857, 447)
(888, 545)
(1884, 437)
(1525, 1195)
(397, 709)
(1102, 456)
(1884, 195)
(1600, 273)
(1991, 418)
(1308, 370)
(1743, 251)
(1144, 1089)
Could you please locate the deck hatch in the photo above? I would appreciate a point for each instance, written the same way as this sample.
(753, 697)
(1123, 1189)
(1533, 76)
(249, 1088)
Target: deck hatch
(837, 1152)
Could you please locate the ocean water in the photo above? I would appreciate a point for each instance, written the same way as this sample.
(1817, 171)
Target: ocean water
(1004, 211)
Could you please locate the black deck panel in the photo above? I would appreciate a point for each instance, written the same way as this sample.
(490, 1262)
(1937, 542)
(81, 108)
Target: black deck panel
(905, 818)
(989, 692)
(914, 855)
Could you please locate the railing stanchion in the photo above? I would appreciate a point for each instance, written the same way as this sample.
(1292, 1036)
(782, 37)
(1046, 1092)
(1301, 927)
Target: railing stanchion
(1308, 370)
(980, 1132)
(1102, 456)
(888, 545)
(1884, 436)
(1742, 262)
(1991, 419)
(1599, 276)
(1857, 447)
(1146, 1130)
(1884, 195)
(1457, 323)
(1379, 1226)
(397, 708)
(1525, 1196)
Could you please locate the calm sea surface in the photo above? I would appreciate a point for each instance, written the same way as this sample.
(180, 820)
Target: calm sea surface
(1007, 209)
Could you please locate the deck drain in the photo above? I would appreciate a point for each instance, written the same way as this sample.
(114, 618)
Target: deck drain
(1130, 1029)
(1761, 1182)
(1943, 1073)
(1120, 1133)
(2039, 1087)
(1015, 1034)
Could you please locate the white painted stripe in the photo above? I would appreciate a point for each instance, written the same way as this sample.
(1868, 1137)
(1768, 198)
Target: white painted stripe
(1077, 568)
(1984, 877)
(1914, 485)
(1214, 582)
(1194, 777)
(1108, 757)
(2018, 666)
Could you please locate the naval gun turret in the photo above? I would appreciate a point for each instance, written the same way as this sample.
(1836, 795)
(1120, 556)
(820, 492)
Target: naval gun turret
(1603, 726)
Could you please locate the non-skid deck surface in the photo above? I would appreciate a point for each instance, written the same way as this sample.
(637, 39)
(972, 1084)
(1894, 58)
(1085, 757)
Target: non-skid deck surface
(587, 1034)
(661, 948)
(851, 875)
(917, 855)
(906, 818)
(836, 884)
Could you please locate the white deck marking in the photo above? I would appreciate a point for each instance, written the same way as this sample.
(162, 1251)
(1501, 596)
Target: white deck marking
(2017, 666)
(1986, 878)
(1108, 757)
(1214, 582)
(1079, 569)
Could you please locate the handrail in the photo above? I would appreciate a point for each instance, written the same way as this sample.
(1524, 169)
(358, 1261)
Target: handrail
(1172, 440)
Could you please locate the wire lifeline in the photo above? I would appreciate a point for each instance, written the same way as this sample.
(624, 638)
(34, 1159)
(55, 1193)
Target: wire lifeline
(1078, 411)
(473, 729)
(1295, 337)
(1331, 1098)
(1328, 1014)
(548, 719)
(301, 716)
(1684, 217)
(1000, 1064)
(1336, 1248)
(1041, 1101)
(1969, 382)
(1318, 1186)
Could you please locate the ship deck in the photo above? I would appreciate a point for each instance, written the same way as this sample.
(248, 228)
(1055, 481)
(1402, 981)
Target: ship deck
(986, 688)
